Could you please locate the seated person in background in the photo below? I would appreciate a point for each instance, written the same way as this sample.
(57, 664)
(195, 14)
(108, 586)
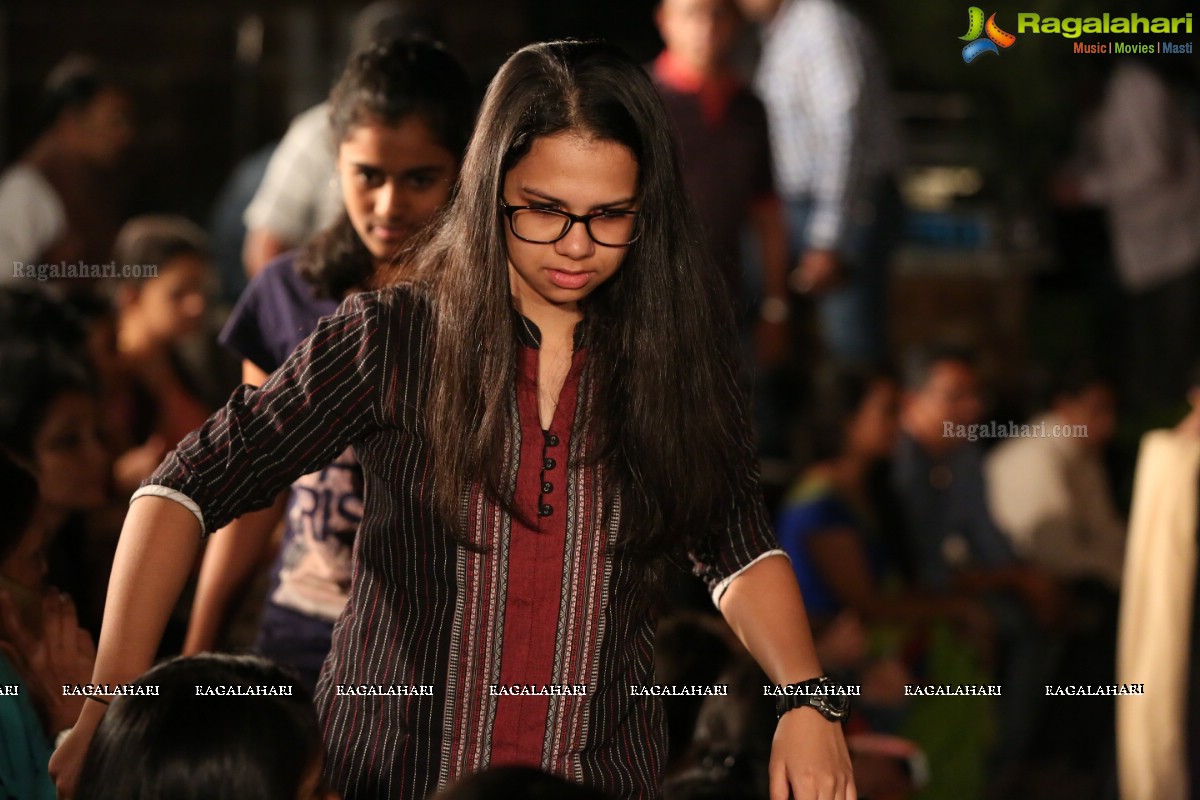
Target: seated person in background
(57, 202)
(81, 325)
(831, 524)
(184, 744)
(953, 543)
(836, 529)
(1050, 493)
(41, 646)
(1158, 733)
(938, 475)
(50, 426)
(160, 405)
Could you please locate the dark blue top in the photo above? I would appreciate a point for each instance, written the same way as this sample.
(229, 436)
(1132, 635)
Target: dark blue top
(276, 312)
(810, 510)
(310, 581)
(947, 521)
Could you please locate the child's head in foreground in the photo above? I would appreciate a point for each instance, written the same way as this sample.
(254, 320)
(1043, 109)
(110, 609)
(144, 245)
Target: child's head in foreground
(184, 744)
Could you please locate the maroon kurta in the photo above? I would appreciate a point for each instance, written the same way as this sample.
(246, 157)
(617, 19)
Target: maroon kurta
(549, 603)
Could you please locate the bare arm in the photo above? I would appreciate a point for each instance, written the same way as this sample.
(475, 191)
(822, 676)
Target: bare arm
(230, 559)
(764, 608)
(154, 556)
(236, 462)
(809, 757)
(766, 218)
(229, 562)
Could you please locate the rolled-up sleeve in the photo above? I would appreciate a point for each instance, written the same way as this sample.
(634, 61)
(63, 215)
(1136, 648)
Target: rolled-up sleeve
(743, 535)
(326, 396)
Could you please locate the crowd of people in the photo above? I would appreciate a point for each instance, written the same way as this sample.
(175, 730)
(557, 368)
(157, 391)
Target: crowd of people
(487, 410)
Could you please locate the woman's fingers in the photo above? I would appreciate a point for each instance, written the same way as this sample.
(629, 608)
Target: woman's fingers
(11, 626)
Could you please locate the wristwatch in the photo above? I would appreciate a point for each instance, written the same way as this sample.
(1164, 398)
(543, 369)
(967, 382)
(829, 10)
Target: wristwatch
(820, 693)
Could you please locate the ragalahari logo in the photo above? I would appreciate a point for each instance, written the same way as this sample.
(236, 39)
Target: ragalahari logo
(976, 27)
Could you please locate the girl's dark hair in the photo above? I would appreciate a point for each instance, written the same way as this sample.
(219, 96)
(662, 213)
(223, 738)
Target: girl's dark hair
(155, 239)
(184, 745)
(659, 388)
(837, 400)
(72, 85)
(33, 317)
(386, 83)
(33, 377)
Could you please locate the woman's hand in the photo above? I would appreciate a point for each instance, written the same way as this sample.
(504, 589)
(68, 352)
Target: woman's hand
(61, 655)
(818, 272)
(67, 761)
(809, 759)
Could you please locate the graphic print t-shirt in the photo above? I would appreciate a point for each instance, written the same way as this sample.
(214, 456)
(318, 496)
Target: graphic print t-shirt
(312, 576)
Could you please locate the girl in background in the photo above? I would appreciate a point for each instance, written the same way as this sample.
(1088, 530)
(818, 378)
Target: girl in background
(157, 400)
(402, 114)
(42, 646)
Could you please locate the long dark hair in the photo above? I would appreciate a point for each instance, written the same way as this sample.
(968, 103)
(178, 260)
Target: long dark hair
(660, 330)
(73, 84)
(34, 377)
(183, 745)
(384, 84)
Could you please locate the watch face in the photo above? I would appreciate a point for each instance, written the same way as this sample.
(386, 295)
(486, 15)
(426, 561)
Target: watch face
(833, 706)
(830, 704)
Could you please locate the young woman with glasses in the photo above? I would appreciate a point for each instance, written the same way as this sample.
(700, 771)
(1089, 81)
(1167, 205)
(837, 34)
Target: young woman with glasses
(546, 412)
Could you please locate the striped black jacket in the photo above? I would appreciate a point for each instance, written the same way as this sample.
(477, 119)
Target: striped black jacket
(549, 605)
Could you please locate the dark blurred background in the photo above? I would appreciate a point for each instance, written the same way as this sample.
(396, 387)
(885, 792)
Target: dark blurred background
(215, 82)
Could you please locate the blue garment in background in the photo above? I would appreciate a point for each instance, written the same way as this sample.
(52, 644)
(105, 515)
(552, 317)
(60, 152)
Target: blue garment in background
(814, 508)
(24, 748)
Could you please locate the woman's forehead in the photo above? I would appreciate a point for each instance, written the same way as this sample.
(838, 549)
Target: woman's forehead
(573, 169)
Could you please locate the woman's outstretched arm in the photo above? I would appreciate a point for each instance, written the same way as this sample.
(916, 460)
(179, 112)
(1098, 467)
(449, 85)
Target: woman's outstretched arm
(809, 758)
(325, 396)
(158, 546)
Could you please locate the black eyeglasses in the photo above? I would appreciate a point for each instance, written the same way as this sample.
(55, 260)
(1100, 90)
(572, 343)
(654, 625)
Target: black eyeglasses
(546, 225)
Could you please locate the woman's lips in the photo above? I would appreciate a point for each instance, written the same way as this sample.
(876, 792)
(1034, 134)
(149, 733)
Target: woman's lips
(569, 280)
(389, 234)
